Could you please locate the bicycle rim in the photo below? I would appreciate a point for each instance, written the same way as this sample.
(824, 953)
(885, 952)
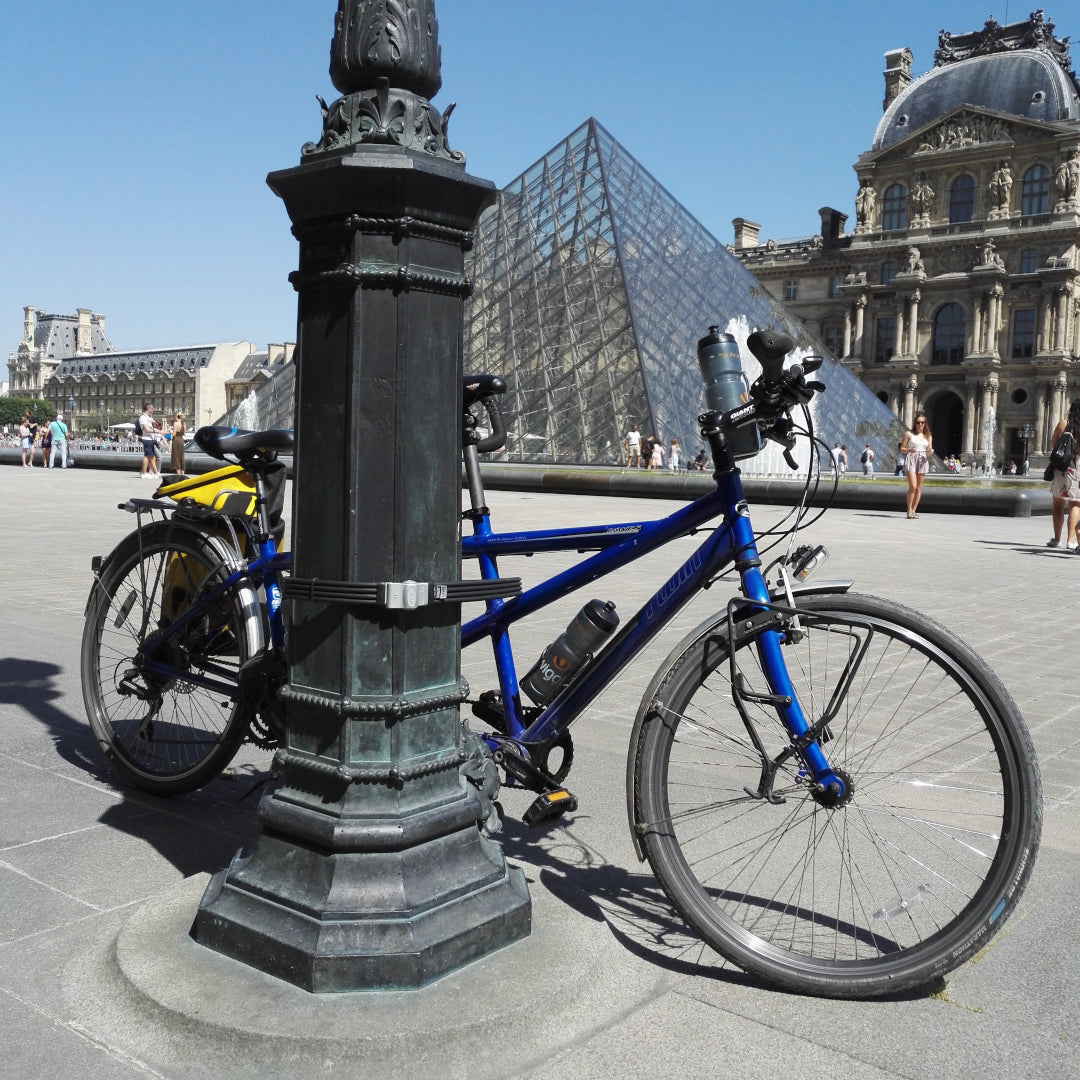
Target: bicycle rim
(163, 733)
(887, 892)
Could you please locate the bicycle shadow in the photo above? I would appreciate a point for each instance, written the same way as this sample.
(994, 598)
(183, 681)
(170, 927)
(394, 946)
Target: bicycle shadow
(32, 685)
(632, 906)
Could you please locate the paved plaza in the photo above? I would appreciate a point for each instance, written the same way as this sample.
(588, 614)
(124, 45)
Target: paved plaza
(98, 885)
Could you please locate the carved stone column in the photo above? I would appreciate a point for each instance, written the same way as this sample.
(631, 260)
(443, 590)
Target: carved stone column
(859, 348)
(910, 386)
(913, 324)
(898, 336)
(1045, 315)
(1040, 417)
(847, 332)
(371, 871)
(1062, 319)
(968, 445)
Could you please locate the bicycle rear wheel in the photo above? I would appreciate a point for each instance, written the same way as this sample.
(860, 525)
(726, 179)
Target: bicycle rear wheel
(160, 730)
(886, 892)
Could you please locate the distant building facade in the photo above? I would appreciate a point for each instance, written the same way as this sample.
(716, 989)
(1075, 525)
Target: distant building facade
(958, 291)
(68, 361)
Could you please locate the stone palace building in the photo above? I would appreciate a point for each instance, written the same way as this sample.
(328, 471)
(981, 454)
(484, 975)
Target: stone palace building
(68, 361)
(958, 292)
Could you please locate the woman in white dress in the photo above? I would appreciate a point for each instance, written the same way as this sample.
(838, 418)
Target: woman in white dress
(917, 448)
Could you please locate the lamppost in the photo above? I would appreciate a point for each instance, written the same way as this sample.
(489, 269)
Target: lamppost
(1027, 433)
(371, 871)
(71, 414)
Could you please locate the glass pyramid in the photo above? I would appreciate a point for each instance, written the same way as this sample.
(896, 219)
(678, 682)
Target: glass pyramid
(592, 288)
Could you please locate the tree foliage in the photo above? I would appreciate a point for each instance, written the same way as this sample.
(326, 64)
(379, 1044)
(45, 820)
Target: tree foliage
(12, 410)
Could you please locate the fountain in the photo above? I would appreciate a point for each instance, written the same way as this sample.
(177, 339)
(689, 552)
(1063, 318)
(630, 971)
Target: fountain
(246, 414)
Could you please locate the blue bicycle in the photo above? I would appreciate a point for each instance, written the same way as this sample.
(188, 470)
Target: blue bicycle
(834, 791)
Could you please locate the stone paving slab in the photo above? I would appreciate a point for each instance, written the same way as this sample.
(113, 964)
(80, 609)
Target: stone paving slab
(83, 863)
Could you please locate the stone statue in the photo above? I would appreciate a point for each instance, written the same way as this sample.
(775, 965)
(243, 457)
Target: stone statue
(1067, 178)
(1001, 186)
(865, 201)
(990, 257)
(914, 262)
(922, 197)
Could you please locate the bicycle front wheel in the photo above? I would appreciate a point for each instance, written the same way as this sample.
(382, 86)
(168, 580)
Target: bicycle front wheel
(164, 705)
(895, 886)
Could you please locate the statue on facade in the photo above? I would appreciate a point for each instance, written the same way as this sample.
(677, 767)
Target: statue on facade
(914, 262)
(990, 257)
(865, 201)
(922, 197)
(1067, 178)
(1001, 189)
(385, 60)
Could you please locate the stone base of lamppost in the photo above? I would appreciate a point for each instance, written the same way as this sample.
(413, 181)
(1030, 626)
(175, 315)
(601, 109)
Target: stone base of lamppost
(333, 921)
(371, 872)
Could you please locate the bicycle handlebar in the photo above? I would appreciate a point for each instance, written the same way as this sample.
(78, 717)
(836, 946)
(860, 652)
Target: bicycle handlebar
(497, 439)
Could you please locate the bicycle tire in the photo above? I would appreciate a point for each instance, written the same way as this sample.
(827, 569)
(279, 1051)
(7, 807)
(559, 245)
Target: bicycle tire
(164, 736)
(894, 889)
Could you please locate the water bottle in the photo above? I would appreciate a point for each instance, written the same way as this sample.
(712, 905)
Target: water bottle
(560, 661)
(726, 387)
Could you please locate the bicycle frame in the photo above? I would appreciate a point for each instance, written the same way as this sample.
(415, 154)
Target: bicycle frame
(731, 541)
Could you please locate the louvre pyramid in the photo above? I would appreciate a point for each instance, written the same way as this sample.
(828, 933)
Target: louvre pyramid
(592, 288)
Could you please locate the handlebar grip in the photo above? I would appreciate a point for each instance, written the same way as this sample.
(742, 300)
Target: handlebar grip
(769, 348)
(497, 439)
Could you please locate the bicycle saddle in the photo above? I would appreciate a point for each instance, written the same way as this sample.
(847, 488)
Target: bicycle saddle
(477, 387)
(244, 445)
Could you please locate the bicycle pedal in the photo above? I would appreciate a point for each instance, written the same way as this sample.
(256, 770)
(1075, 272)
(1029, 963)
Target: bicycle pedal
(549, 806)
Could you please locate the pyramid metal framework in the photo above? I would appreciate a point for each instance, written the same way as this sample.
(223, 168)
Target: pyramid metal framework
(592, 288)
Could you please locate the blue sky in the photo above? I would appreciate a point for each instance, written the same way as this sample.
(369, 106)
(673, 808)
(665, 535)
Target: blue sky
(137, 136)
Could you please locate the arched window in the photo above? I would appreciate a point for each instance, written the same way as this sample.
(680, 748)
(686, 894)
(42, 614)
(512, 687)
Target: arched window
(961, 199)
(888, 271)
(894, 208)
(950, 329)
(1035, 191)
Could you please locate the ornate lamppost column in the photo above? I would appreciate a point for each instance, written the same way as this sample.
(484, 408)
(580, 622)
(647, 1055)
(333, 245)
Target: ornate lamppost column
(371, 871)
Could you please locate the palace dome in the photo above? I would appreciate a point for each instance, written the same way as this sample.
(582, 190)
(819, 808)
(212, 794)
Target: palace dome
(1026, 83)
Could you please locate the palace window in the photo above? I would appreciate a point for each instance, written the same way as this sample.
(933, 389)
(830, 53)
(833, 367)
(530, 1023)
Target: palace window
(961, 199)
(791, 290)
(1035, 191)
(888, 271)
(1023, 339)
(834, 286)
(834, 339)
(1027, 261)
(894, 208)
(885, 335)
(950, 329)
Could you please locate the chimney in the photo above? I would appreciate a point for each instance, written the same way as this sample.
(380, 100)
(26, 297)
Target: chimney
(832, 224)
(83, 339)
(28, 323)
(746, 232)
(897, 74)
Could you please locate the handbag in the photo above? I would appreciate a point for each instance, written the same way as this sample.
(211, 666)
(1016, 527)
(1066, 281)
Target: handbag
(1061, 457)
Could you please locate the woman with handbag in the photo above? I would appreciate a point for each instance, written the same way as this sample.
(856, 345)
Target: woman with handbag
(176, 455)
(1064, 484)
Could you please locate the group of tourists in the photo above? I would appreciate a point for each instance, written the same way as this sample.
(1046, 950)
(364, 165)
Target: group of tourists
(651, 451)
(51, 437)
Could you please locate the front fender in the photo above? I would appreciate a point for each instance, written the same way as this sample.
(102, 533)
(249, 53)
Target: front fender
(709, 626)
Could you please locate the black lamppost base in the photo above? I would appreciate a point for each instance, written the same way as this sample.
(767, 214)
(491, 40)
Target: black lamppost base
(332, 935)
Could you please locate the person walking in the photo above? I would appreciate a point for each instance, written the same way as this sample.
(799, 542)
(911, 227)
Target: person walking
(867, 459)
(176, 454)
(59, 431)
(917, 447)
(145, 426)
(675, 456)
(1060, 485)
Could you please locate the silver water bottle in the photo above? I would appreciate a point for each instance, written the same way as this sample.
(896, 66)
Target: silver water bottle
(726, 387)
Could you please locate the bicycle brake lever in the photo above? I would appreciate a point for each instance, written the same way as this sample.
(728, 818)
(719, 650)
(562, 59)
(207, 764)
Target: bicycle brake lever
(792, 463)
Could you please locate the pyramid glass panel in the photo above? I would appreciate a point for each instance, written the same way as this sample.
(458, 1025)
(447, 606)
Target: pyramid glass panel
(593, 286)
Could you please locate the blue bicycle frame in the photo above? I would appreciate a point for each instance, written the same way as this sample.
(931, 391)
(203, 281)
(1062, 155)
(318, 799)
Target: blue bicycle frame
(732, 541)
